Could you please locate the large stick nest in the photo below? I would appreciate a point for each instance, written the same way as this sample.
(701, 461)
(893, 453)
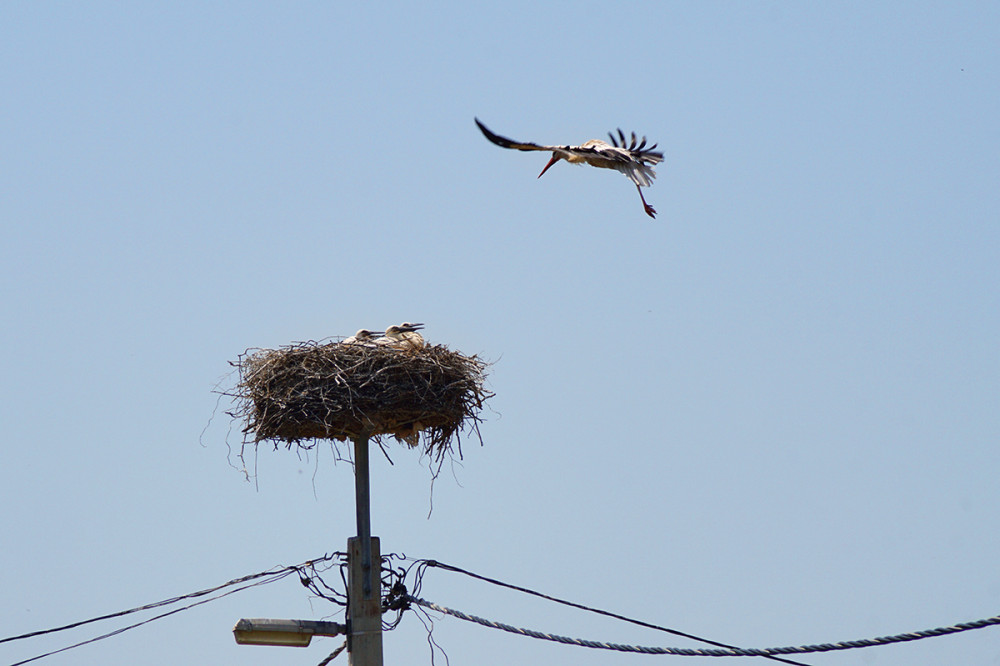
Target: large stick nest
(313, 390)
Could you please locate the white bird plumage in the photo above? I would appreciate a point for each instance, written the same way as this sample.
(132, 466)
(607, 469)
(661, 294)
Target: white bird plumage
(633, 159)
(403, 336)
(409, 333)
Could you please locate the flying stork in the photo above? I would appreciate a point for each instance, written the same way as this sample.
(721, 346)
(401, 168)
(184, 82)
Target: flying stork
(635, 161)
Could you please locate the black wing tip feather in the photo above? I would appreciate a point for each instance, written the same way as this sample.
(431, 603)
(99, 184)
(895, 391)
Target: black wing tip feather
(636, 145)
(494, 138)
(503, 141)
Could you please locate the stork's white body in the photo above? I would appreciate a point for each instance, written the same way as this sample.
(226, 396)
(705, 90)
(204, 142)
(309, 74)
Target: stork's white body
(603, 155)
(404, 336)
(410, 335)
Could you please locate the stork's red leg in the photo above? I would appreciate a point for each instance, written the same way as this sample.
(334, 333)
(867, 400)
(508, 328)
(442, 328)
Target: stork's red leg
(649, 209)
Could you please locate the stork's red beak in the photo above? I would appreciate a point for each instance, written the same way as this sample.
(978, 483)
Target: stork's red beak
(555, 158)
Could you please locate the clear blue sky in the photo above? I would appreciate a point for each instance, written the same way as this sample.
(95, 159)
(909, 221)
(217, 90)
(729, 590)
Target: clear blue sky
(768, 417)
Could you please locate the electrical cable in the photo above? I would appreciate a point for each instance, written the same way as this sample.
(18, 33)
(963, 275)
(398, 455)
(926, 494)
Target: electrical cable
(262, 578)
(518, 588)
(698, 652)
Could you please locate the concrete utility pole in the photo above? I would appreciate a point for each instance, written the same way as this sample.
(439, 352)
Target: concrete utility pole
(364, 586)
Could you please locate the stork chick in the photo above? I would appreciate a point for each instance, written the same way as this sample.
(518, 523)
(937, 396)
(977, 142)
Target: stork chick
(404, 336)
(362, 337)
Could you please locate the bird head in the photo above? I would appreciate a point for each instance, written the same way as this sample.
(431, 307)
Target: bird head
(364, 334)
(555, 158)
(408, 327)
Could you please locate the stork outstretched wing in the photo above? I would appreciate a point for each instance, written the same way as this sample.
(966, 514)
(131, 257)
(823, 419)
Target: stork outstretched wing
(587, 150)
(636, 149)
(504, 142)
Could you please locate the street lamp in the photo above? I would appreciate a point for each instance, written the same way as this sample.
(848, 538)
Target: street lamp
(289, 633)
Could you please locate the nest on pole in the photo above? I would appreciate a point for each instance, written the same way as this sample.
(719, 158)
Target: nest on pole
(312, 390)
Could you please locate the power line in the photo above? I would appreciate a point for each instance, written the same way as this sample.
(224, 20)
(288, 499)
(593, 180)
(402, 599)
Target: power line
(698, 652)
(675, 632)
(139, 624)
(262, 578)
(399, 599)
